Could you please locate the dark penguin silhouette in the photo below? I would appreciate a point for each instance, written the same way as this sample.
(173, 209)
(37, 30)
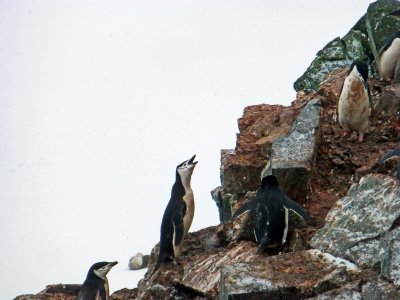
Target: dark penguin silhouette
(388, 59)
(392, 154)
(96, 286)
(355, 100)
(270, 210)
(178, 214)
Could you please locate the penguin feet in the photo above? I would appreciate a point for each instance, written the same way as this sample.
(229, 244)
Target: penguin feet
(345, 133)
(176, 261)
(360, 137)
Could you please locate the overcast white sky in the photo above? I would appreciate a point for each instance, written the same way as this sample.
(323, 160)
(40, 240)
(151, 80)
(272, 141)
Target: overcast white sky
(100, 100)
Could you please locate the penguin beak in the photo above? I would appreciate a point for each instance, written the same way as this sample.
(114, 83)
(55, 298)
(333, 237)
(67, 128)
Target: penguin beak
(112, 264)
(191, 161)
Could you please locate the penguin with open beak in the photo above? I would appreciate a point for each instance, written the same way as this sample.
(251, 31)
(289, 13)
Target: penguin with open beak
(178, 214)
(353, 107)
(96, 286)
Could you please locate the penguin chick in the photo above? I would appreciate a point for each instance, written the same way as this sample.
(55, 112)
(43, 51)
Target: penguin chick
(392, 154)
(271, 214)
(355, 100)
(388, 59)
(96, 286)
(178, 214)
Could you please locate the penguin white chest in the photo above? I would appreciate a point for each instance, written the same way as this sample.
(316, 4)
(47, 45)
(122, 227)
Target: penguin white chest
(353, 106)
(188, 218)
(388, 60)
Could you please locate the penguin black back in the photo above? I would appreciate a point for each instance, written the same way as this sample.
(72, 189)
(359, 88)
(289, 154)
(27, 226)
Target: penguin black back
(96, 286)
(269, 214)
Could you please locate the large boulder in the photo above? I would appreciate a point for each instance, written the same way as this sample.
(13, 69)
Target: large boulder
(289, 276)
(355, 227)
(293, 156)
(362, 42)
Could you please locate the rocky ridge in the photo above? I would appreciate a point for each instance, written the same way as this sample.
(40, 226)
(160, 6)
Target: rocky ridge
(350, 247)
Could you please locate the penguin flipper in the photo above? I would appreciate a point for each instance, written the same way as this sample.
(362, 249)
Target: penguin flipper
(102, 294)
(296, 208)
(390, 154)
(177, 221)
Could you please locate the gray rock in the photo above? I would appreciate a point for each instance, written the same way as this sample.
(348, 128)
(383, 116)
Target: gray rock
(139, 261)
(354, 227)
(379, 289)
(380, 22)
(362, 42)
(347, 292)
(224, 202)
(390, 256)
(293, 155)
(292, 276)
(388, 102)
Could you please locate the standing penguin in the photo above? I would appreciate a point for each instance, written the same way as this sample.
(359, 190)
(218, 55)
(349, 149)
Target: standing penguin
(271, 214)
(388, 59)
(96, 286)
(178, 215)
(355, 100)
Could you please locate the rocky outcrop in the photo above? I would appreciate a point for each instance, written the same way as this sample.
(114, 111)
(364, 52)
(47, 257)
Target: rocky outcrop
(293, 155)
(355, 226)
(362, 42)
(241, 168)
(290, 276)
(352, 200)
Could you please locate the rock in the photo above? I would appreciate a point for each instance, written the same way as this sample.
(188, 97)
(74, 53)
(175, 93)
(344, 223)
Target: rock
(288, 276)
(388, 104)
(139, 261)
(243, 227)
(347, 292)
(380, 22)
(390, 256)
(379, 289)
(55, 292)
(124, 294)
(224, 203)
(363, 42)
(355, 225)
(293, 156)
(240, 169)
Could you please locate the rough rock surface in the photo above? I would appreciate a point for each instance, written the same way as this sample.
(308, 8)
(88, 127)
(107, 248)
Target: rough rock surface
(289, 276)
(355, 225)
(362, 42)
(339, 164)
(241, 168)
(293, 155)
(54, 292)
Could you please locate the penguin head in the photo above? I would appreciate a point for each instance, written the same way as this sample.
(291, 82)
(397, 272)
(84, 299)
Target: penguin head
(101, 269)
(186, 168)
(269, 180)
(361, 67)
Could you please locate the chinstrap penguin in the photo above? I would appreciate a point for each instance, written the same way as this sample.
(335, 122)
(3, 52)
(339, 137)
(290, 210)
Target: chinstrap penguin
(388, 59)
(96, 286)
(178, 214)
(353, 107)
(270, 210)
(392, 154)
